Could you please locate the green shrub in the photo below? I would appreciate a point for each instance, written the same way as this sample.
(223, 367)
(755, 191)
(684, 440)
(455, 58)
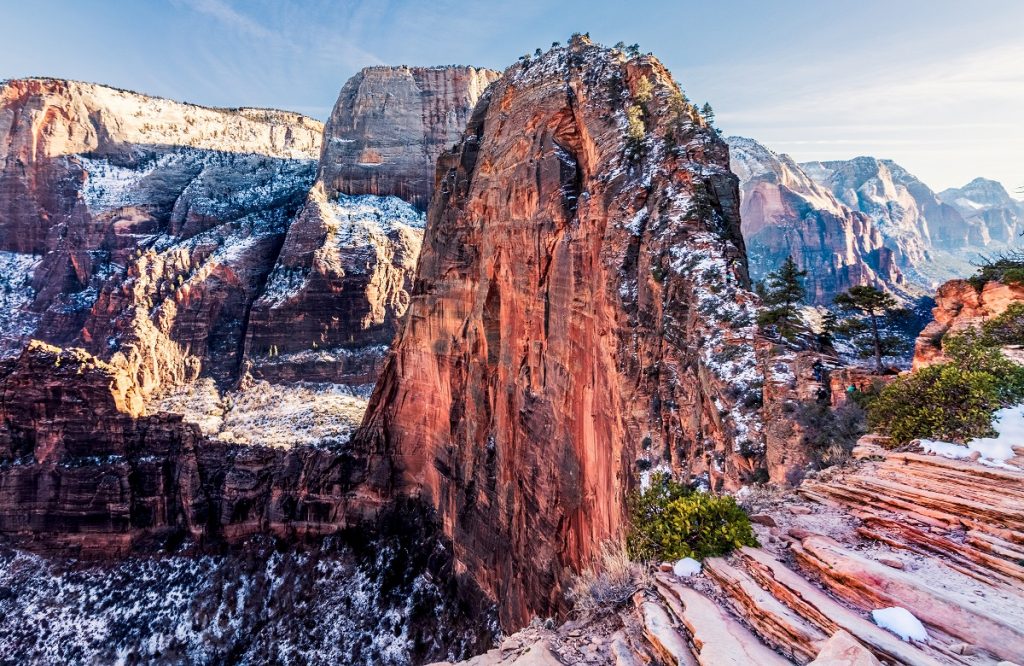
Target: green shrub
(1007, 267)
(671, 521)
(938, 402)
(1006, 329)
(956, 401)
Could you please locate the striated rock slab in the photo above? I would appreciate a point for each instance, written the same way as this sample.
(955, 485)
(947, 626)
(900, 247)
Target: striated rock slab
(580, 304)
(842, 649)
(874, 585)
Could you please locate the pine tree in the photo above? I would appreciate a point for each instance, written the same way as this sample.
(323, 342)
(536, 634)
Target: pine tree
(868, 309)
(708, 113)
(783, 292)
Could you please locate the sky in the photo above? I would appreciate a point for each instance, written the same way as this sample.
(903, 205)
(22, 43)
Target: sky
(936, 85)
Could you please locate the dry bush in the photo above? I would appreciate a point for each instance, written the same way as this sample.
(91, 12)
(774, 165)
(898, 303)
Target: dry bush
(609, 584)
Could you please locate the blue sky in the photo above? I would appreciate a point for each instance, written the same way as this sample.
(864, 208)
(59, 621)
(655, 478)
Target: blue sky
(936, 85)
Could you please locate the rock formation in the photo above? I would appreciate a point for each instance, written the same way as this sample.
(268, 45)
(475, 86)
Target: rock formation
(579, 315)
(959, 305)
(342, 280)
(148, 226)
(390, 125)
(786, 213)
(930, 240)
(82, 467)
(986, 203)
(168, 234)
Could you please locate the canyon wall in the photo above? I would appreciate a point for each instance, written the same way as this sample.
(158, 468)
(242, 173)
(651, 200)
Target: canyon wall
(932, 241)
(580, 316)
(84, 470)
(787, 214)
(341, 283)
(178, 241)
(139, 228)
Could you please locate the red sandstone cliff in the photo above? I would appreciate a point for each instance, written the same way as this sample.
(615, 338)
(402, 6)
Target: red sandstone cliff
(959, 305)
(579, 314)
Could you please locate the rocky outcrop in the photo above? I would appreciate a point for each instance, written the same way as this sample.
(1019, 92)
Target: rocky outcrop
(938, 538)
(959, 305)
(341, 283)
(390, 124)
(986, 203)
(787, 214)
(579, 314)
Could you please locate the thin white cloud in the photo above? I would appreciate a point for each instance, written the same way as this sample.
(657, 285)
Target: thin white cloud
(229, 16)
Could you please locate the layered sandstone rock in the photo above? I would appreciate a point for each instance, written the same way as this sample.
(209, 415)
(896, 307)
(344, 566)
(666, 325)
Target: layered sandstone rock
(579, 315)
(937, 537)
(82, 467)
(156, 222)
(787, 214)
(390, 124)
(341, 283)
(959, 305)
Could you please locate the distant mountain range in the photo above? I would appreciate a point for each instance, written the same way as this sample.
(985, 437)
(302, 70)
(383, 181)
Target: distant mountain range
(866, 221)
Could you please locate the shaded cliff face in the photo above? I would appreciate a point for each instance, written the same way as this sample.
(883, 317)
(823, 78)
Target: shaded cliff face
(579, 315)
(786, 213)
(390, 124)
(987, 203)
(341, 283)
(84, 473)
(147, 226)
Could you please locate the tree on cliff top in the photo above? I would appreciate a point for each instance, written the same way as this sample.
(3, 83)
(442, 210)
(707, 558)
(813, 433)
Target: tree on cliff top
(782, 293)
(868, 312)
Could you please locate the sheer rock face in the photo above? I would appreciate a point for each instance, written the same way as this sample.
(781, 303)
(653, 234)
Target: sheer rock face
(390, 124)
(83, 469)
(960, 305)
(157, 222)
(786, 213)
(580, 314)
(342, 281)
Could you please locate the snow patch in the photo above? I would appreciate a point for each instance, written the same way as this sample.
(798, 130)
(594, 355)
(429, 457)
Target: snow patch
(994, 451)
(901, 622)
(17, 323)
(264, 414)
(686, 567)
